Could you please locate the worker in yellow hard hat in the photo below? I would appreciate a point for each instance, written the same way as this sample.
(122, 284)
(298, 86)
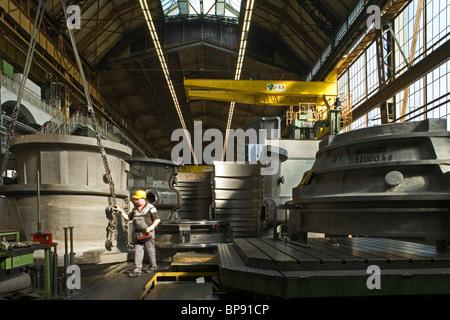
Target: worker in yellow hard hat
(145, 219)
(140, 194)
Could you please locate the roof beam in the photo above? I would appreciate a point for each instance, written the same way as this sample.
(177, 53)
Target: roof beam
(323, 17)
(302, 33)
(104, 23)
(339, 47)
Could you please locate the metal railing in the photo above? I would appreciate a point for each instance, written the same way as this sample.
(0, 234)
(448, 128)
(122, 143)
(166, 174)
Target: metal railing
(58, 124)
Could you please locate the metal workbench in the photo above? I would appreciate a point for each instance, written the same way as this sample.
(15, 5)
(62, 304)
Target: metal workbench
(15, 257)
(322, 267)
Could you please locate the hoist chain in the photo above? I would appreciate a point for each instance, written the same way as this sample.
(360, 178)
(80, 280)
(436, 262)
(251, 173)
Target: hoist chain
(112, 224)
(104, 160)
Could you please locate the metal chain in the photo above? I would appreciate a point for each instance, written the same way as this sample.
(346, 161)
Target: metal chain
(34, 35)
(104, 160)
(112, 224)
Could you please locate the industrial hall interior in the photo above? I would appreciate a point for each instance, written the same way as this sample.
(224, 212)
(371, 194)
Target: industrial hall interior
(224, 149)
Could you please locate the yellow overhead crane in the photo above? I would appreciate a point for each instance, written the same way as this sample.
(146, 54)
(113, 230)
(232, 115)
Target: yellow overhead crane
(275, 93)
(260, 92)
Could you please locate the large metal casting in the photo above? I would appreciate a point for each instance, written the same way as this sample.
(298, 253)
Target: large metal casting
(238, 196)
(61, 183)
(386, 181)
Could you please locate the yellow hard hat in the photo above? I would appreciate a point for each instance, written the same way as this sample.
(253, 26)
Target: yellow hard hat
(140, 194)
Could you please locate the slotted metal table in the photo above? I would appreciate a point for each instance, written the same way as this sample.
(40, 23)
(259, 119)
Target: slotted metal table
(322, 267)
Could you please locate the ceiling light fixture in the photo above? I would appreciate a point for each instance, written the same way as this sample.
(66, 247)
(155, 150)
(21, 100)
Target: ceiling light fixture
(237, 76)
(162, 60)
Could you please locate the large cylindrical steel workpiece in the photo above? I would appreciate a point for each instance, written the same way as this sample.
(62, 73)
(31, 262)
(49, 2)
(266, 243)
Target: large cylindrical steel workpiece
(238, 196)
(70, 188)
(390, 180)
(196, 192)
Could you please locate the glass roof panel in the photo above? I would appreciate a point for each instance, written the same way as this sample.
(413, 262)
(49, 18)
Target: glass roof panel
(216, 8)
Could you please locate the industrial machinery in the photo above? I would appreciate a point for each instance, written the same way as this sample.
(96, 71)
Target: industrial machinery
(271, 216)
(300, 122)
(383, 185)
(387, 181)
(181, 228)
(197, 230)
(157, 178)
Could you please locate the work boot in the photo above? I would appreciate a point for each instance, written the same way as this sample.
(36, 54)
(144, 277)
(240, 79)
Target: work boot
(151, 269)
(135, 273)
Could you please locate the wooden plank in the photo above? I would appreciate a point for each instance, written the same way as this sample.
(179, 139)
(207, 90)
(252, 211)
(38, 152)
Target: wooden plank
(195, 257)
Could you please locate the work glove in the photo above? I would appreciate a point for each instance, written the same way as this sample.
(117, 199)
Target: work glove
(150, 229)
(117, 208)
(110, 211)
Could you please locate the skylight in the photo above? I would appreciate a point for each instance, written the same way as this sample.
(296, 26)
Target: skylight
(203, 8)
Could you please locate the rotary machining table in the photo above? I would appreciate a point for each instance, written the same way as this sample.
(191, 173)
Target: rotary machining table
(324, 268)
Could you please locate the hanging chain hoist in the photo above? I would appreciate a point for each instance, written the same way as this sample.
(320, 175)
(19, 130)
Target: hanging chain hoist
(15, 113)
(112, 217)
